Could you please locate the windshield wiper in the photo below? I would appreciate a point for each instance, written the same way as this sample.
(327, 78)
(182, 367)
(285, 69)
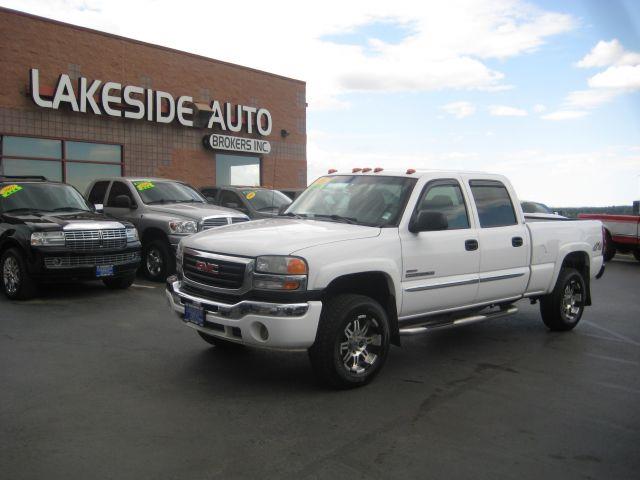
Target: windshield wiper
(338, 218)
(26, 209)
(155, 202)
(69, 209)
(187, 201)
(294, 215)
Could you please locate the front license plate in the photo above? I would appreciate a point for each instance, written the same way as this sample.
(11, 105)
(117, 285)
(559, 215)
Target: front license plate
(104, 271)
(194, 314)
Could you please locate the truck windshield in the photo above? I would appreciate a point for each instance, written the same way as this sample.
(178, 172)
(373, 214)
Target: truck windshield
(263, 200)
(43, 197)
(153, 192)
(361, 199)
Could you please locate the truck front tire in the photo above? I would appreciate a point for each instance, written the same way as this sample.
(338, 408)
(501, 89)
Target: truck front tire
(609, 248)
(158, 261)
(14, 276)
(352, 342)
(562, 309)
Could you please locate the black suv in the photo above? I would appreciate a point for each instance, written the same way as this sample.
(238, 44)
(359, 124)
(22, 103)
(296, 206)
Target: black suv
(48, 232)
(255, 202)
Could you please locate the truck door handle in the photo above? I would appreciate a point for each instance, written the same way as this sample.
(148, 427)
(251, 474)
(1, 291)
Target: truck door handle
(517, 241)
(471, 245)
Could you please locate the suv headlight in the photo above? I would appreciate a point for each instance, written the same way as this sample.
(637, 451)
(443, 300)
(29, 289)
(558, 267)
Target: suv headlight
(273, 272)
(183, 227)
(132, 235)
(47, 239)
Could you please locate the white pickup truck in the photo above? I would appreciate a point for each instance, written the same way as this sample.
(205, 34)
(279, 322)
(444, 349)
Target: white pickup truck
(364, 257)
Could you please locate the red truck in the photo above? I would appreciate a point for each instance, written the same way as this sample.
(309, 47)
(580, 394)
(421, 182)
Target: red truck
(622, 232)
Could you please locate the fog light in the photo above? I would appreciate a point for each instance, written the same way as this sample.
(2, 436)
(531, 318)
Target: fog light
(260, 331)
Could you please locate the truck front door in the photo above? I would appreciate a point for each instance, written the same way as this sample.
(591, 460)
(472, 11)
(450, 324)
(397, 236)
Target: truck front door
(440, 268)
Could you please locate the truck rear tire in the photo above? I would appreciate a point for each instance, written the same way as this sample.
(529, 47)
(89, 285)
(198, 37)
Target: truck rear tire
(158, 261)
(562, 309)
(352, 342)
(14, 276)
(609, 248)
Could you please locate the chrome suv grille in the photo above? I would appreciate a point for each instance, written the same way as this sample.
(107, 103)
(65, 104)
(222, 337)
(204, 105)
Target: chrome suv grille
(214, 222)
(91, 260)
(96, 239)
(213, 272)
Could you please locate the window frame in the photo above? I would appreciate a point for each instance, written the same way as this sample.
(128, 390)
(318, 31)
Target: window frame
(444, 182)
(63, 159)
(492, 183)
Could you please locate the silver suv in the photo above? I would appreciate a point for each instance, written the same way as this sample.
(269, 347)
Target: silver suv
(164, 212)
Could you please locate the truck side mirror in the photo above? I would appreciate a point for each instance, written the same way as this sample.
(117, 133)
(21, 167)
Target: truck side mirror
(99, 207)
(426, 221)
(122, 201)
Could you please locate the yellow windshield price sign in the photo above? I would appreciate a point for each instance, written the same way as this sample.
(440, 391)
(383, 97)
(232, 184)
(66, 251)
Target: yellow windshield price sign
(9, 190)
(250, 195)
(146, 185)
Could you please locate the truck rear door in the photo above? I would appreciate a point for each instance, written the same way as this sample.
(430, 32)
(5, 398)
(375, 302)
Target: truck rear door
(503, 240)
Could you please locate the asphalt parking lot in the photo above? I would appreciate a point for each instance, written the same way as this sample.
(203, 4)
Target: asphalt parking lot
(101, 384)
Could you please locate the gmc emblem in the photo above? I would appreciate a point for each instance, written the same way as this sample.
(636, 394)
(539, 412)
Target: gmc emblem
(207, 267)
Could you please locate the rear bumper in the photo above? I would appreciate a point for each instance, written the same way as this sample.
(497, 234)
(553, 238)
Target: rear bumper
(288, 326)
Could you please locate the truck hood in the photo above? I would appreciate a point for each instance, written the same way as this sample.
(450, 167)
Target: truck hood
(275, 236)
(62, 220)
(194, 211)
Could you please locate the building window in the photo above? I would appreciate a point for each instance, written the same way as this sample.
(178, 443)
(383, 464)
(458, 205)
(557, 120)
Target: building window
(237, 170)
(77, 163)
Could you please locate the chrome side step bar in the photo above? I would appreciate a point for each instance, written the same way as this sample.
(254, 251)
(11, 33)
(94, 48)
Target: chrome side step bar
(417, 330)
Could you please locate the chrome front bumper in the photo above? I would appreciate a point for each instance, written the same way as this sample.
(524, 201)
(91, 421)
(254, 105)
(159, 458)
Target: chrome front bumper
(289, 326)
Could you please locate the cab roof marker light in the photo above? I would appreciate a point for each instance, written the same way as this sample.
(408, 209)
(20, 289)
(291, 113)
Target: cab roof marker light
(366, 169)
(332, 170)
(378, 169)
(356, 170)
(410, 171)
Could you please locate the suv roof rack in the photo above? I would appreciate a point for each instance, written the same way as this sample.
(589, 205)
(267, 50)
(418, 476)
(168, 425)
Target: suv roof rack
(39, 178)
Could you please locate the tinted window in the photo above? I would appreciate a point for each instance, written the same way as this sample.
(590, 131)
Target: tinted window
(533, 207)
(96, 152)
(447, 199)
(98, 192)
(493, 203)
(50, 170)
(266, 200)
(119, 188)
(152, 192)
(210, 192)
(40, 196)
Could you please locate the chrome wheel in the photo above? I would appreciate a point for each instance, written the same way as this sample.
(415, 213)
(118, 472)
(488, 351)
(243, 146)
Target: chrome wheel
(572, 303)
(361, 344)
(154, 261)
(11, 275)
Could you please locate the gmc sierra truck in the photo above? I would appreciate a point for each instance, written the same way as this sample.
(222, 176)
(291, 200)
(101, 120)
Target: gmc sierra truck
(364, 257)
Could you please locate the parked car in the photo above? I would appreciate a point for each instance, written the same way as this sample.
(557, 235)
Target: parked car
(292, 193)
(534, 211)
(360, 258)
(49, 233)
(622, 233)
(255, 202)
(164, 212)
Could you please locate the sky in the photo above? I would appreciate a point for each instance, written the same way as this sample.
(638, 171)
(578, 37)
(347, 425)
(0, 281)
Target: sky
(544, 92)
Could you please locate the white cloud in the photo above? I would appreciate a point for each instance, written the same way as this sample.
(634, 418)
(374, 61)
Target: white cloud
(609, 53)
(565, 115)
(506, 111)
(446, 44)
(539, 108)
(589, 98)
(459, 109)
(624, 77)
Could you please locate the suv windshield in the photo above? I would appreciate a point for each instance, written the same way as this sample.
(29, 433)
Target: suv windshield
(361, 199)
(44, 197)
(266, 199)
(167, 192)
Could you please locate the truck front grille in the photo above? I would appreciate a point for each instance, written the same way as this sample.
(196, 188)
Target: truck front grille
(214, 222)
(214, 272)
(84, 240)
(77, 261)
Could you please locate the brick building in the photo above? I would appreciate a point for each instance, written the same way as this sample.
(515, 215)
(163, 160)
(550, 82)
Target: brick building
(77, 103)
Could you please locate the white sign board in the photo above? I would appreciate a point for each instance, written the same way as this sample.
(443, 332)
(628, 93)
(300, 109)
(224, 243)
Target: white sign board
(237, 144)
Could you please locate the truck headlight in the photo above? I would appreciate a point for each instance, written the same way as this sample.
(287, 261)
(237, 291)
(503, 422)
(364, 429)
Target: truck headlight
(132, 235)
(281, 265)
(183, 227)
(274, 272)
(47, 239)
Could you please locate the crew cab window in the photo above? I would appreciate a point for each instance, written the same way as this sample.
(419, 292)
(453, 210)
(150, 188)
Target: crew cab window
(119, 188)
(98, 192)
(493, 203)
(446, 198)
(228, 197)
